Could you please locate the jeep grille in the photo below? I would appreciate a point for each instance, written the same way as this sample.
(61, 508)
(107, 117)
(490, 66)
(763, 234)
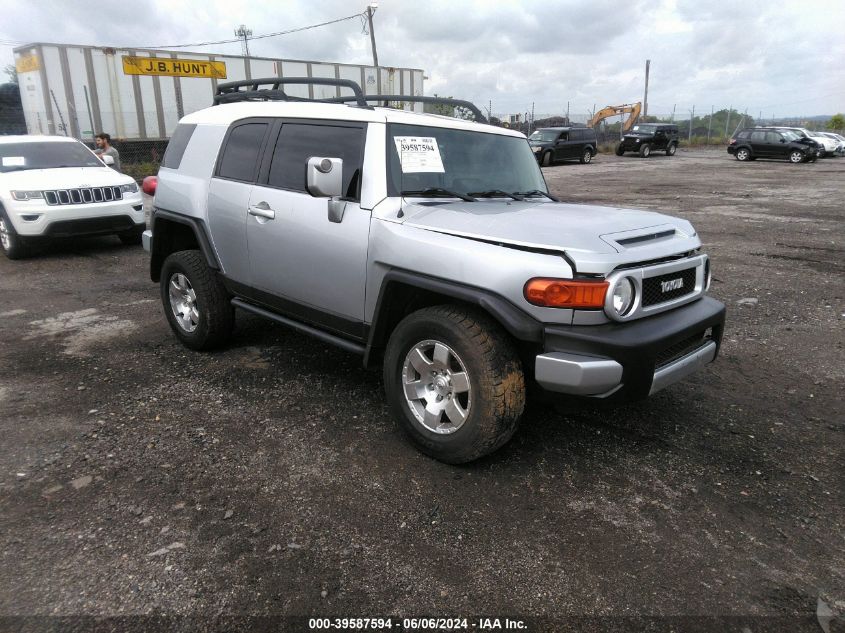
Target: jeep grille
(85, 195)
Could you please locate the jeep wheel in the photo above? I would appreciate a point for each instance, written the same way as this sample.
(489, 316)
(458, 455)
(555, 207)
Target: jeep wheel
(454, 382)
(11, 243)
(743, 154)
(195, 301)
(587, 156)
(547, 159)
(670, 151)
(796, 156)
(620, 149)
(645, 150)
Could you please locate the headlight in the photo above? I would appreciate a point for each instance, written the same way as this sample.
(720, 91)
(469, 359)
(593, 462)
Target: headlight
(27, 195)
(623, 296)
(130, 188)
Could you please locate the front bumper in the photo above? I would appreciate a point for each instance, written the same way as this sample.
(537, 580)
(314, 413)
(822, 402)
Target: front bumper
(37, 219)
(634, 359)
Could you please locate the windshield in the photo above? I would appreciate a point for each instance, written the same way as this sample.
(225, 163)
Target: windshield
(644, 129)
(544, 135)
(789, 135)
(45, 155)
(459, 161)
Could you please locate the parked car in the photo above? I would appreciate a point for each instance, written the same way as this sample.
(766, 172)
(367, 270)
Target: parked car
(807, 134)
(764, 142)
(839, 149)
(54, 186)
(644, 138)
(429, 246)
(553, 144)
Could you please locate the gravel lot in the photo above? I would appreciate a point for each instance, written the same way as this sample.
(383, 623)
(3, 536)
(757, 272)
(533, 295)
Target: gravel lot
(137, 477)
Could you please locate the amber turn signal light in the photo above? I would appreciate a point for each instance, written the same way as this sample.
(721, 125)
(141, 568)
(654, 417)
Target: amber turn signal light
(565, 293)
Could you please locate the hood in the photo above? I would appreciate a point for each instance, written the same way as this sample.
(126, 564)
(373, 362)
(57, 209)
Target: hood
(63, 178)
(593, 237)
(638, 134)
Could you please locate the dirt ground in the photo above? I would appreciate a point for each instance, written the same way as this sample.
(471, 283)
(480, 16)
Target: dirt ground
(267, 479)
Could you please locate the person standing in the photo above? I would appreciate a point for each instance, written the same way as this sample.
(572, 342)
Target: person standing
(104, 148)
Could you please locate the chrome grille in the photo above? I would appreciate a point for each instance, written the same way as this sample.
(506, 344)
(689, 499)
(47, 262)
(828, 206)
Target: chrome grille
(84, 195)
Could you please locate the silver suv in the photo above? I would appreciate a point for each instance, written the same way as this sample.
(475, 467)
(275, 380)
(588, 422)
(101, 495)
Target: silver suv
(427, 244)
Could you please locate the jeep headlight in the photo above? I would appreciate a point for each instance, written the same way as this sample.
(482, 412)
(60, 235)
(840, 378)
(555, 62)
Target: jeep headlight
(130, 188)
(27, 195)
(623, 296)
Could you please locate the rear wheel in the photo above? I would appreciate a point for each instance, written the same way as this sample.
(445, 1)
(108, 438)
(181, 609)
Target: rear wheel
(587, 156)
(454, 382)
(645, 150)
(796, 156)
(670, 151)
(195, 301)
(743, 154)
(11, 243)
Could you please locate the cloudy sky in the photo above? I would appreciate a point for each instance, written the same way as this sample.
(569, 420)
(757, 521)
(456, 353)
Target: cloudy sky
(775, 57)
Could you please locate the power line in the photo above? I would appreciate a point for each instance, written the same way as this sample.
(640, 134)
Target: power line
(258, 37)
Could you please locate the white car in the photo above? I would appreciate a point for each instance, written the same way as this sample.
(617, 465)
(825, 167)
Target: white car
(839, 140)
(829, 144)
(54, 186)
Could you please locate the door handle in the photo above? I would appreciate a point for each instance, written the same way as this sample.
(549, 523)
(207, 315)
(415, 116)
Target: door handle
(262, 210)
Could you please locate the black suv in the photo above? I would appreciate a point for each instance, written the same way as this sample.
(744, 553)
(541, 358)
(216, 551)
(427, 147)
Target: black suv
(772, 142)
(646, 137)
(552, 144)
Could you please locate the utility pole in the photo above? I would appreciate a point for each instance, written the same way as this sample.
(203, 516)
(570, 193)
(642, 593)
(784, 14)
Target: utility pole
(645, 95)
(532, 118)
(567, 112)
(371, 8)
(244, 33)
(728, 122)
(674, 105)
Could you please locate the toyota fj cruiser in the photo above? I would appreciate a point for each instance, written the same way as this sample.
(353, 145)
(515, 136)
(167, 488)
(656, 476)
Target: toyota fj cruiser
(428, 245)
(647, 137)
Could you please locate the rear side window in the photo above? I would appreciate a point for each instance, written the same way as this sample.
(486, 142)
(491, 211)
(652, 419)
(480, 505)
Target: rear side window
(758, 136)
(177, 145)
(239, 160)
(743, 135)
(298, 142)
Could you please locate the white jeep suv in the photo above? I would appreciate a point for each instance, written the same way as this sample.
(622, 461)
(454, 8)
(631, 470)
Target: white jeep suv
(54, 186)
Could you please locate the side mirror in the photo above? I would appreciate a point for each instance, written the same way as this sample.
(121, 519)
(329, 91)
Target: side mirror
(108, 160)
(325, 177)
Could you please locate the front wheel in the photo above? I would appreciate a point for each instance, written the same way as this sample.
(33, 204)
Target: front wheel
(587, 156)
(547, 159)
(454, 381)
(620, 149)
(645, 150)
(796, 156)
(743, 154)
(195, 301)
(11, 243)
(670, 151)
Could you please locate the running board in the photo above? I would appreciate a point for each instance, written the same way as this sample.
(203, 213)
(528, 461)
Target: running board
(337, 341)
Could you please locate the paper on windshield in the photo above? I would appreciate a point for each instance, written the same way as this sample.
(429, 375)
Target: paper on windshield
(14, 161)
(419, 154)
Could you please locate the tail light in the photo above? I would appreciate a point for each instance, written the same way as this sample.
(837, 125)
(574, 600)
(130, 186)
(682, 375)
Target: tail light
(733, 142)
(149, 185)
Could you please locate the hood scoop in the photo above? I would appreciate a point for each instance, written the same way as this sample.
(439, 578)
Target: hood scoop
(647, 237)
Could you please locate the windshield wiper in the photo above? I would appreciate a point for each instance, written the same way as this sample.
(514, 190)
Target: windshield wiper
(439, 191)
(495, 192)
(535, 192)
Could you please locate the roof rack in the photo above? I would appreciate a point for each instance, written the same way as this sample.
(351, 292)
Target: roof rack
(251, 89)
(480, 118)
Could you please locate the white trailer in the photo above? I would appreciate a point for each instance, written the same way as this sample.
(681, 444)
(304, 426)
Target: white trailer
(140, 94)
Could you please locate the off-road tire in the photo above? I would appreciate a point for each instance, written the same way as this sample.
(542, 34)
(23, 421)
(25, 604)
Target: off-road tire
(743, 154)
(547, 159)
(645, 150)
(495, 377)
(216, 314)
(12, 245)
(670, 151)
(587, 156)
(131, 237)
(620, 150)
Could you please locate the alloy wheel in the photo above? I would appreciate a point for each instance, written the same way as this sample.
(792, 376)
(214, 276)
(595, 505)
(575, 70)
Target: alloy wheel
(5, 237)
(183, 302)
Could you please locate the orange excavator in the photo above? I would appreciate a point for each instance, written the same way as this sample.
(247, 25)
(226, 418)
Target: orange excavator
(606, 112)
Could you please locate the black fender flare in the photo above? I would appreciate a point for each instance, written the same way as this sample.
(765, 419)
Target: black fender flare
(198, 228)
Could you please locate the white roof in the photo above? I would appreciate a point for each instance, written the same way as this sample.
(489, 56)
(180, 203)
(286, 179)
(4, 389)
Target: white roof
(227, 113)
(35, 138)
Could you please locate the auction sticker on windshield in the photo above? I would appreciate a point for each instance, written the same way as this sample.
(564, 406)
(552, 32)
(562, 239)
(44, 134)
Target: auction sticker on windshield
(419, 154)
